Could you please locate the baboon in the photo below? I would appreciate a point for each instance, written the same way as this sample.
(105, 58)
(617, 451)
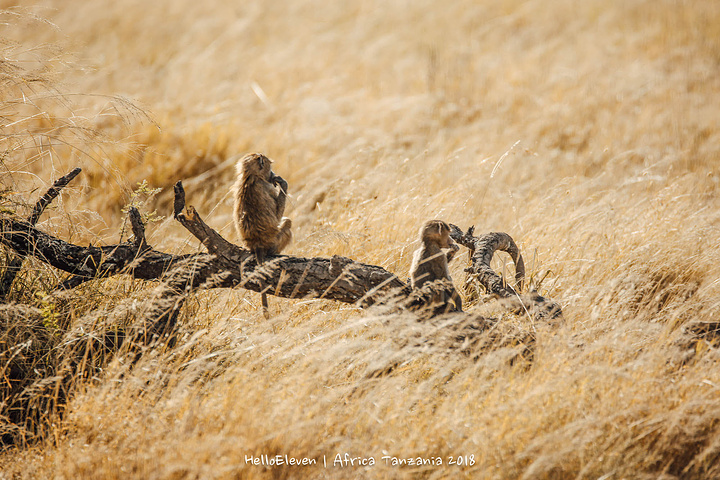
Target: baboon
(430, 264)
(259, 206)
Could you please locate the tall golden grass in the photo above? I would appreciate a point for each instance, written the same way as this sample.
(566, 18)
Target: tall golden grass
(589, 131)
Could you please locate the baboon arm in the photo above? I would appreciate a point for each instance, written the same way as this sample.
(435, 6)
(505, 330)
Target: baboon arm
(281, 196)
(280, 204)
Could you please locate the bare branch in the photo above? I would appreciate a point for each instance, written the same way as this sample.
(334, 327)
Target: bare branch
(138, 229)
(482, 249)
(51, 194)
(88, 262)
(283, 276)
(216, 244)
(340, 279)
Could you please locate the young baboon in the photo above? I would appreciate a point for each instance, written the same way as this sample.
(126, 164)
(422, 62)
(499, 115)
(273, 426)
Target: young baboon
(430, 264)
(259, 206)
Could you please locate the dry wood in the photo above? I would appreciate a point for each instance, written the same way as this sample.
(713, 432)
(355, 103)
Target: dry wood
(228, 265)
(482, 249)
(337, 279)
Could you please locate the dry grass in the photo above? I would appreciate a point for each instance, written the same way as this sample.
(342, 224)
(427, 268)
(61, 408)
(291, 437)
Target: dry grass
(589, 131)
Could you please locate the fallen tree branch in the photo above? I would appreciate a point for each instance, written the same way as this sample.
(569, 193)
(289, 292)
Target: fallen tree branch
(87, 262)
(337, 279)
(228, 265)
(482, 249)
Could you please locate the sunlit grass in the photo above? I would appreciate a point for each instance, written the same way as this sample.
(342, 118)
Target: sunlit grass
(588, 131)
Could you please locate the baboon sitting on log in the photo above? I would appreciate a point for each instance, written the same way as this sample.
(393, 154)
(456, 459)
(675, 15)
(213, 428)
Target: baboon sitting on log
(430, 264)
(259, 208)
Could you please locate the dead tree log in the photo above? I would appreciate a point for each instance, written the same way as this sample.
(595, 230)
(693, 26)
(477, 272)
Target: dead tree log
(84, 262)
(337, 278)
(228, 265)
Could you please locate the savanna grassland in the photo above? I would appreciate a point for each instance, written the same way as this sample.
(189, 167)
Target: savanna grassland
(589, 131)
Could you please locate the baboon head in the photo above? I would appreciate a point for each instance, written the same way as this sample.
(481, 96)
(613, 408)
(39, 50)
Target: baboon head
(256, 164)
(438, 232)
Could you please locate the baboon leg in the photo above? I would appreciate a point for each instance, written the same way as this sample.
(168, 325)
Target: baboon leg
(282, 240)
(284, 235)
(456, 301)
(265, 306)
(259, 255)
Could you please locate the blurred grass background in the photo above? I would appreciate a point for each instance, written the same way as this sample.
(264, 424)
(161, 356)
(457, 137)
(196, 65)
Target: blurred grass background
(589, 131)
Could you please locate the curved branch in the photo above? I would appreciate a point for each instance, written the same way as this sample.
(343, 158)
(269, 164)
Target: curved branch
(51, 194)
(482, 249)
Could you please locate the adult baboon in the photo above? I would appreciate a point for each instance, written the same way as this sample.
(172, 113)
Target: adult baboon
(259, 205)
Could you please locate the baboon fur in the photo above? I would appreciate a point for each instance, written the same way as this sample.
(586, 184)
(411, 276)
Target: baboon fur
(259, 207)
(430, 263)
